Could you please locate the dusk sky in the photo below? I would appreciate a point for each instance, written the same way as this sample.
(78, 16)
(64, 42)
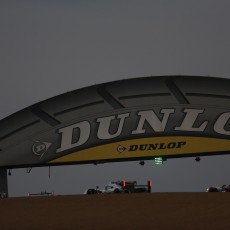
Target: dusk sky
(51, 47)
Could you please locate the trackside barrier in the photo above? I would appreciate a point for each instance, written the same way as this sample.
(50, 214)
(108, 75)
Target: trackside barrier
(42, 193)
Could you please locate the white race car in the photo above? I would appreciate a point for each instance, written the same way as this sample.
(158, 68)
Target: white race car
(121, 187)
(109, 188)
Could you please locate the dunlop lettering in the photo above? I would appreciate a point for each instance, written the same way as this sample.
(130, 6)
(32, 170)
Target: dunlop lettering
(157, 146)
(78, 134)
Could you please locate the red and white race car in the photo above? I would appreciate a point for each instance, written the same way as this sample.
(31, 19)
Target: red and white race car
(121, 187)
(224, 188)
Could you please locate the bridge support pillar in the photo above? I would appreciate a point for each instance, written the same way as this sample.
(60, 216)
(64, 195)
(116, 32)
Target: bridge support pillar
(3, 183)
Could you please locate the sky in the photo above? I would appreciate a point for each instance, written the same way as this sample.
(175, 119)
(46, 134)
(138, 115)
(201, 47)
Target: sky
(51, 47)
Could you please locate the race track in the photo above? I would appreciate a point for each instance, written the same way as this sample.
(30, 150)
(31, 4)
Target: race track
(120, 211)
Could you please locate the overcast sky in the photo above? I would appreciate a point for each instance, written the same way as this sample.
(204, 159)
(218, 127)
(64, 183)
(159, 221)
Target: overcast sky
(51, 47)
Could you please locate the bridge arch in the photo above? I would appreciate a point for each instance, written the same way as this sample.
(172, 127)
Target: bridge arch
(132, 119)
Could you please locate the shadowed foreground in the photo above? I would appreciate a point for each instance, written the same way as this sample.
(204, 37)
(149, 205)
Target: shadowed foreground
(120, 211)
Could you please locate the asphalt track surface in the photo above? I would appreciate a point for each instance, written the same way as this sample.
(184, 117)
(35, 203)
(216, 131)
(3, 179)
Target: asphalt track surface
(118, 211)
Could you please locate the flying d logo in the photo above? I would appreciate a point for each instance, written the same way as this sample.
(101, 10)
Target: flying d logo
(40, 148)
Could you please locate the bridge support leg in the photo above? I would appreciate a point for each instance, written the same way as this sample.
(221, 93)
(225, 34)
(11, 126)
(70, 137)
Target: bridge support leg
(3, 183)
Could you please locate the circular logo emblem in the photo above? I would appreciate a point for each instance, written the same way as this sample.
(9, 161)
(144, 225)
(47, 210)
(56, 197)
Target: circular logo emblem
(40, 148)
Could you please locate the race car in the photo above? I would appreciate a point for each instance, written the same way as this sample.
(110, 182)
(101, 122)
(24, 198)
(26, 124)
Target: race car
(223, 188)
(121, 187)
(109, 188)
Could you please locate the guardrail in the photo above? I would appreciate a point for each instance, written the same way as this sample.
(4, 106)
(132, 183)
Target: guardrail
(42, 193)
